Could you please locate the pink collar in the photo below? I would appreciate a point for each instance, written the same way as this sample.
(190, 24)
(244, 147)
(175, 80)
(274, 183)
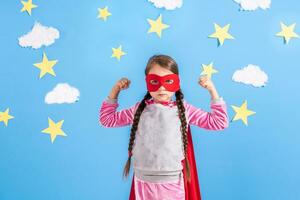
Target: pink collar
(165, 103)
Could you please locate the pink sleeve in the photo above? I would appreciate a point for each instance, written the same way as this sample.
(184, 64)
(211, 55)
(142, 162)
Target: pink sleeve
(110, 117)
(217, 119)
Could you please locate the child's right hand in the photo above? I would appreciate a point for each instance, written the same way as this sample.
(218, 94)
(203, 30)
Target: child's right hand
(122, 84)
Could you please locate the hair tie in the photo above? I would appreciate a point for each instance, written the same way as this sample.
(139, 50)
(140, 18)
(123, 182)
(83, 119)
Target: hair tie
(129, 153)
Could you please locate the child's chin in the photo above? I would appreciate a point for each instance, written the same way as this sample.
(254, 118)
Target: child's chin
(163, 98)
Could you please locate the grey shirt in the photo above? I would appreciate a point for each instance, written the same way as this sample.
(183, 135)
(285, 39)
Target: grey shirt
(158, 149)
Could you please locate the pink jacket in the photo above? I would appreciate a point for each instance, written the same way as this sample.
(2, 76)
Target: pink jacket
(217, 119)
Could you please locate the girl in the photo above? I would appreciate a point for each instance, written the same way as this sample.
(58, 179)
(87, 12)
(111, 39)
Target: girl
(160, 140)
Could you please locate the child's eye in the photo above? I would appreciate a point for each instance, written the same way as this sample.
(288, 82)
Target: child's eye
(169, 81)
(154, 82)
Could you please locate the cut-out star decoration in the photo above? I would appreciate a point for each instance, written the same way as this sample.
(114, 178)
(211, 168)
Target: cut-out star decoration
(242, 113)
(28, 6)
(46, 66)
(5, 116)
(157, 26)
(208, 70)
(118, 53)
(287, 32)
(103, 13)
(54, 129)
(221, 33)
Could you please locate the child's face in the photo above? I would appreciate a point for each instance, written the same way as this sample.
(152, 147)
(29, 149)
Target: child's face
(161, 94)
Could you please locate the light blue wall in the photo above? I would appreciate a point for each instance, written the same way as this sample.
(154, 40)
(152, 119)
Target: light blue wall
(258, 162)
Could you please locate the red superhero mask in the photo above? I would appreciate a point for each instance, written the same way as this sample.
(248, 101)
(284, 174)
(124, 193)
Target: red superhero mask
(170, 82)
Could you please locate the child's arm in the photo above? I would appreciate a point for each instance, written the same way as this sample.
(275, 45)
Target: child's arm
(108, 114)
(110, 117)
(217, 119)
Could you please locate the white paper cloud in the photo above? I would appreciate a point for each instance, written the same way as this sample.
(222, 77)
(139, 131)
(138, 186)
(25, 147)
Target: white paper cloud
(251, 5)
(62, 93)
(167, 4)
(39, 35)
(251, 75)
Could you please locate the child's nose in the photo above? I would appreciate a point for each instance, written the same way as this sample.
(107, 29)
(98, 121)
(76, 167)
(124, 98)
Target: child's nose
(162, 88)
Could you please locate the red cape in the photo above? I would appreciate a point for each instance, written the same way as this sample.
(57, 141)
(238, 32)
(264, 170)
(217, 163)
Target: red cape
(192, 189)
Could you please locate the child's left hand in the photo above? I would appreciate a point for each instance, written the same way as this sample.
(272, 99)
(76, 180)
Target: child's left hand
(206, 83)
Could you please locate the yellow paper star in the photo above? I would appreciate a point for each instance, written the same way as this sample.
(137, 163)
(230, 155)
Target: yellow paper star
(208, 70)
(157, 26)
(242, 113)
(54, 129)
(46, 66)
(103, 13)
(287, 32)
(221, 33)
(117, 52)
(27, 6)
(4, 116)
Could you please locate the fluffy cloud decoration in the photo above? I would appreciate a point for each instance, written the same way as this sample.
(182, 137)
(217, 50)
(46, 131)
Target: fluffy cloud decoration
(251, 75)
(167, 4)
(251, 5)
(62, 93)
(39, 35)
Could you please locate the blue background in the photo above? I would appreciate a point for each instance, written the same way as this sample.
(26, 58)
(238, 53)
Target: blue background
(259, 161)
